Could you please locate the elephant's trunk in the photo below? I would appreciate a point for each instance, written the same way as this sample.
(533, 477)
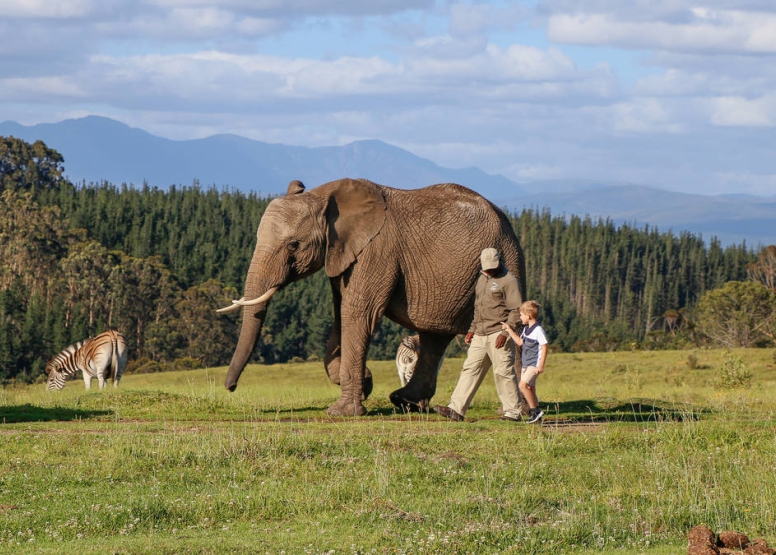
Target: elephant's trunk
(253, 319)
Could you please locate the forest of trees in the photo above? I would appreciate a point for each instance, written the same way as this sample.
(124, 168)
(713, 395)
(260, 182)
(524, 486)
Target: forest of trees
(156, 263)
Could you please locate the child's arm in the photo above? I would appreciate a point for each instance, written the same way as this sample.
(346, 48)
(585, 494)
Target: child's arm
(512, 333)
(542, 357)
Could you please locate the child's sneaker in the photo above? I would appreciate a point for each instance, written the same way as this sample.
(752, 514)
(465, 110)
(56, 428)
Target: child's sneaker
(535, 415)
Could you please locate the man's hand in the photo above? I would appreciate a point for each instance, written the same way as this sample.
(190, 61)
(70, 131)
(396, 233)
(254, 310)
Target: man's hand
(501, 341)
(468, 338)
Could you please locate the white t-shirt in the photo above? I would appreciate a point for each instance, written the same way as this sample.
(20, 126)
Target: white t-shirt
(533, 339)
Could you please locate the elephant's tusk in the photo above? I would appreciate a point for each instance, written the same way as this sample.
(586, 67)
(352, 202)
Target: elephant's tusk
(265, 297)
(231, 307)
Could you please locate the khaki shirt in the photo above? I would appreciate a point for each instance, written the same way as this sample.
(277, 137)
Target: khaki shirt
(497, 299)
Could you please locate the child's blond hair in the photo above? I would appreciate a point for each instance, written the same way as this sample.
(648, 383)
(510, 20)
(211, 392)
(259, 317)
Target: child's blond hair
(531, 308)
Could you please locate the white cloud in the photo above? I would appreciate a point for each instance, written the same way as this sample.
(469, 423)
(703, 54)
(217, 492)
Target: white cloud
(700, 84)
(469, 19)
(495, 72)
(209, 79)
(49, 9)
(644, 115)
(704, 30)
(258, 26)
(42, 89)
(464, 82)
(744, 112)
(297, 8)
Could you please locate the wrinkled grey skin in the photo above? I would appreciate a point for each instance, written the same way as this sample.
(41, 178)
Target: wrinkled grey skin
(412, 256)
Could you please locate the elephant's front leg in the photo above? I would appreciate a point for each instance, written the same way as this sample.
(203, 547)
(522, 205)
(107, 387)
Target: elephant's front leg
(356, 334)
(332, 359)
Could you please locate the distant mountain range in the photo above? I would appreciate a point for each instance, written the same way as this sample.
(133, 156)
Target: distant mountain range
(98, 149)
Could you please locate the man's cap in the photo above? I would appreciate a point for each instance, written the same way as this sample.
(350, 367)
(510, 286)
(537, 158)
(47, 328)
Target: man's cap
(489, 259)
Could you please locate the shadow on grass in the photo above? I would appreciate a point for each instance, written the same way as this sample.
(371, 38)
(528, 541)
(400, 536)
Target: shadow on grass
(593, 411)
(32, 413)
(611, 410)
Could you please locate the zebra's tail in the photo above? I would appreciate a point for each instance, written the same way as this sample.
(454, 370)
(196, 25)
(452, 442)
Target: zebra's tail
(114, 358)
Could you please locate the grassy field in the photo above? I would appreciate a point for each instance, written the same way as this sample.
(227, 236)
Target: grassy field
(636, 448)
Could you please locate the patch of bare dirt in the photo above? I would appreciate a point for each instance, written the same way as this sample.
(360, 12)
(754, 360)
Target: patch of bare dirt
(703, 541)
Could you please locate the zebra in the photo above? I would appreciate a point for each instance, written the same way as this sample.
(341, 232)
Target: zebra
(103, 357)
(407, 355)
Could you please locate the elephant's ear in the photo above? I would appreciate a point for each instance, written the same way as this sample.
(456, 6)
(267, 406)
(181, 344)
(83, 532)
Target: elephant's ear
(355, 214)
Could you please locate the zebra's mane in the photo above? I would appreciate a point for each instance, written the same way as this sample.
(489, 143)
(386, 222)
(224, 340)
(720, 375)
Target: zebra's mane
(56, 362)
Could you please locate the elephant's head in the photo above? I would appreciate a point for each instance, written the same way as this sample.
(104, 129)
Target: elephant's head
(299, 234)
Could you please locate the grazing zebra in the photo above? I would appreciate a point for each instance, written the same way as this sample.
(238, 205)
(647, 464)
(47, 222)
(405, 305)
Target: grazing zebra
(407, 357)
(103, 357)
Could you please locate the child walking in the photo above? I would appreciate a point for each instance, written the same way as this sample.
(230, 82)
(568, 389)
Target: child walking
(533, 340)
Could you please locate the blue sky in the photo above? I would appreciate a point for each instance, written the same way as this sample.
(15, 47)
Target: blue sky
(675, 94)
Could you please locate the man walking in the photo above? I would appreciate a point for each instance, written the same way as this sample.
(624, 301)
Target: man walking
(497, 299)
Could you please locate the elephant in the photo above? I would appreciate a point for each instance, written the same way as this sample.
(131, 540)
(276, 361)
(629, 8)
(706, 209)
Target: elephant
(408, 255)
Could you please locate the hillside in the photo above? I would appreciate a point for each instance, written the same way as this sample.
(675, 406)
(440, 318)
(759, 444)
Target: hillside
(99, 149)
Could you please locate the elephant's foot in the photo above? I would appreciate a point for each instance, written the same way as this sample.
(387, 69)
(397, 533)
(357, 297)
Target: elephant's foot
(346, 408)
(407, 403)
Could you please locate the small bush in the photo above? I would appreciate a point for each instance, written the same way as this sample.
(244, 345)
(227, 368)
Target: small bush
(186, 363)
(134, 364)
(150, 367)
(692, 362)
(734, 373)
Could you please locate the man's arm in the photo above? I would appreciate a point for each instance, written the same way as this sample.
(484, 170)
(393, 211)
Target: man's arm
(512, 333)
(513, 300)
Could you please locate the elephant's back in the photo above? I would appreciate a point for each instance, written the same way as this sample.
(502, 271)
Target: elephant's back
(461, 208)
(452, 191)
(469, 209)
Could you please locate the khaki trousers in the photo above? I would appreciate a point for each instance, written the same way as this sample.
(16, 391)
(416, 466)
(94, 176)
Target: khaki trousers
(481, 356)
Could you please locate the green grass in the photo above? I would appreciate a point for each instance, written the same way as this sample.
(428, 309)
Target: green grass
(636, 449)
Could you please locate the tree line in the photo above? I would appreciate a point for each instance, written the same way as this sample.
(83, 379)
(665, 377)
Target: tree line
(156, 263)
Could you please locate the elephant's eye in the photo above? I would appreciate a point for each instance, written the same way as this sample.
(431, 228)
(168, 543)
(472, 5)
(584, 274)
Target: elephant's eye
(292, 245)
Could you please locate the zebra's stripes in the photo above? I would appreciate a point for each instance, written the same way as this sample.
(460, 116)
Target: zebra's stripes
(101, 357)
(407, 355)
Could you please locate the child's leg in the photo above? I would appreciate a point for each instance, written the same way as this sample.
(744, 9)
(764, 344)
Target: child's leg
(528, 386)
